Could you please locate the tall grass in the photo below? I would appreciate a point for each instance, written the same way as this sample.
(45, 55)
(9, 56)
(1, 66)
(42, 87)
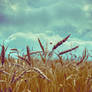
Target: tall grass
(29, 74)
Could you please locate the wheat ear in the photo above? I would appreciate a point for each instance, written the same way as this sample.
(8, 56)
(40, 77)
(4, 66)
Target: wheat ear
(61, 42)
(3, 55)
(83, 57)
(68, 50)
(41, 45)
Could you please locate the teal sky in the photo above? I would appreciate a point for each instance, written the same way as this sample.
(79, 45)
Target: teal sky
(23, 21)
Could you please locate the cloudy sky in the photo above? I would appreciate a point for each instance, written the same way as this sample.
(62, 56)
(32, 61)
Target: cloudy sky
(23, 21)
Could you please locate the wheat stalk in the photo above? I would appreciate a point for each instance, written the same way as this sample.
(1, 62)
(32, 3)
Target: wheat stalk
(22, 58)
(14, 50)
(4, 72)
(63, 52)
(3, 55)
(41, 45)
(13, 77)
(34, 52)
(60, 58)
(83, 57)
(19, 77)
(43, 59)
(28, 53)
(61, 42)
(41, 73)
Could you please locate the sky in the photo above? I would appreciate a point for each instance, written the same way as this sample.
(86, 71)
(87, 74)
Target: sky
(22, 22)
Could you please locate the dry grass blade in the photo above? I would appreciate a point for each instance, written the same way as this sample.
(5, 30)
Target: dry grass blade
(22, 58)
(43, 59)
(16, 65)
(61, 42)
(41, 73)
(60, 58)
(13, 77)
(83, 57)
(19, 76)
(28, 53)
(4, 72)
(34, 52)
(41, 45)
(14, 49)
(66, 51)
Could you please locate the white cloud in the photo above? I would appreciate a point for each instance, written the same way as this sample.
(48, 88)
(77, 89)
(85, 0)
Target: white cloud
(54, 38)
(10, 38)
(14, 7)
(35, 36)
(87, 8)
(76, 41)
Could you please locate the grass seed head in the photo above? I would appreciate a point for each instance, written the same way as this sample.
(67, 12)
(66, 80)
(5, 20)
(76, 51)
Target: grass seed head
(3, 55)
(41, 45)
(60, 43)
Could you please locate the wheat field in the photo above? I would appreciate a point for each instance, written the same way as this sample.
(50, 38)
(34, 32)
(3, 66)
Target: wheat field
(31, 74)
